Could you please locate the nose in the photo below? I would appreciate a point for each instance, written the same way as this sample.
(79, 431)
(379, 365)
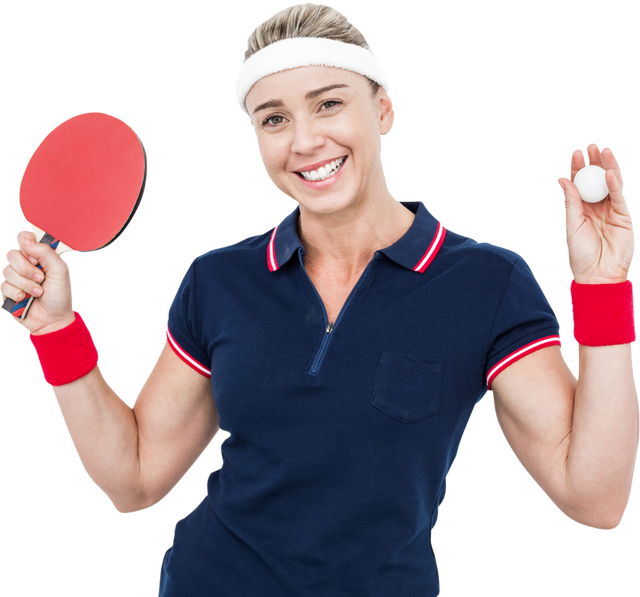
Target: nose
(307, 137)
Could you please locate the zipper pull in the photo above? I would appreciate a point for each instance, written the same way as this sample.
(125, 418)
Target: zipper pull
(329, 328)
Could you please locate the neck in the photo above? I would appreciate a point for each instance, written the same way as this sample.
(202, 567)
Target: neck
(345, 241)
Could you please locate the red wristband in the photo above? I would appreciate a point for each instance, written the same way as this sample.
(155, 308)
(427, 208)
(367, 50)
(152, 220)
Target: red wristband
(67, 354)
(603, 313)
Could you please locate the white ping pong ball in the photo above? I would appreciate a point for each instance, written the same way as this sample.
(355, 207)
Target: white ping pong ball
(591, 183)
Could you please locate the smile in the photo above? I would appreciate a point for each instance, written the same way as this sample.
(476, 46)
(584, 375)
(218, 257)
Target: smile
(327, 171)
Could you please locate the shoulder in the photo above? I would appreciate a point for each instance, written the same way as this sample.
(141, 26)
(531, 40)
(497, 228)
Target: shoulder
(459, 249)
(248, 253)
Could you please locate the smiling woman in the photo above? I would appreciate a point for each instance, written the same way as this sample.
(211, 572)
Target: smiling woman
(346, 345)
(320, 101)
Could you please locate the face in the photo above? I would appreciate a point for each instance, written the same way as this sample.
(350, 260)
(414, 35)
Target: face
(319, 130)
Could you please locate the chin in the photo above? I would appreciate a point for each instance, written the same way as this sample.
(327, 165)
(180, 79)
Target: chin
(326, 205)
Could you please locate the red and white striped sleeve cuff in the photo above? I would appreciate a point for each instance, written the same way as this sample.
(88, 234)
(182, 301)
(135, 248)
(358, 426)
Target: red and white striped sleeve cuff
(186, 357)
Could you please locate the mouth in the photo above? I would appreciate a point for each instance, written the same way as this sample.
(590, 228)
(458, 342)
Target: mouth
(324, 177)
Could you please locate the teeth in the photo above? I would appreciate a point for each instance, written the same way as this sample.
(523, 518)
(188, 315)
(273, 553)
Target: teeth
(323, 172)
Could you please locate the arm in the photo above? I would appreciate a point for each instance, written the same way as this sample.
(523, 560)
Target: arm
(134, 454)
(103, 432)
(578, 438)
(601, 246)
(137, 455)
(99, 423)
(602, 455)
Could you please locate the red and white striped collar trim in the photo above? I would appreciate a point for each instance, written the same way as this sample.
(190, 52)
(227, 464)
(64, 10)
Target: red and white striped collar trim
(422, 264)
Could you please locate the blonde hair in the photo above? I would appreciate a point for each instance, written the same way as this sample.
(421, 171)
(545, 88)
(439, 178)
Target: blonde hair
(306, 20)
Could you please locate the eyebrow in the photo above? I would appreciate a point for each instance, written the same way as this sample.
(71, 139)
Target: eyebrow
(277, 103)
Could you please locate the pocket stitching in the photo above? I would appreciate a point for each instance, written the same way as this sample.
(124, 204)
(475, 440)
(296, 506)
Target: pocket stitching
(394, 360)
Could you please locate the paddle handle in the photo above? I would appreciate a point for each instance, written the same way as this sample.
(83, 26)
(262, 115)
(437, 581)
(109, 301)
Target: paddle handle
(21, 309)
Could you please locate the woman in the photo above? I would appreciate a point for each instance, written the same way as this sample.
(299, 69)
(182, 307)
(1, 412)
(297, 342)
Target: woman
(347, 216)
(345, 350)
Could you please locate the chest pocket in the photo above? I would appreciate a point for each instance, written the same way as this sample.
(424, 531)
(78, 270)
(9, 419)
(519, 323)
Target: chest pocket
(406, 387)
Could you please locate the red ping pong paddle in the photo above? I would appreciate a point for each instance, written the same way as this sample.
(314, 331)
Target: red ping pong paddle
(82, 186)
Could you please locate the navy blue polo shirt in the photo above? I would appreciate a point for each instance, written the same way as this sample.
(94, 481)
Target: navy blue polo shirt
(341, 433)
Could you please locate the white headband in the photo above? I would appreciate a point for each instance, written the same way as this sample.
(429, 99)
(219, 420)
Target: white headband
(306, 51)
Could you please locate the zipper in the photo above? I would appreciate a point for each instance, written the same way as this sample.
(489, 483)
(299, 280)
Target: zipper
(329, 326)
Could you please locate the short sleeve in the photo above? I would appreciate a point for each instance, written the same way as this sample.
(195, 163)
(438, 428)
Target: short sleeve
(183, 332)
(524, 322)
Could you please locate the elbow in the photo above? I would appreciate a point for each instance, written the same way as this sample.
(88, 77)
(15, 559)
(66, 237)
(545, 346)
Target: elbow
(605, 517)
(604, 524)
(601, 523)
(128, 511)
(600, 506)
(611, 512)
(129, 507)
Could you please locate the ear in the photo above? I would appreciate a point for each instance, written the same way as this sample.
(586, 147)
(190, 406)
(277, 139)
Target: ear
(385, 108)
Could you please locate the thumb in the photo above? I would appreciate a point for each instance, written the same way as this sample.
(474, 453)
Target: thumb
(572, 202)
(50, 262)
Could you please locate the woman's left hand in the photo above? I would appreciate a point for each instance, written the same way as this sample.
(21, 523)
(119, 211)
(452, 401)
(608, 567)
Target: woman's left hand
(599, 235)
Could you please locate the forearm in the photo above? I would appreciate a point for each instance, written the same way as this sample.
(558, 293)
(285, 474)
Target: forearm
(603, 441)
(105, 433)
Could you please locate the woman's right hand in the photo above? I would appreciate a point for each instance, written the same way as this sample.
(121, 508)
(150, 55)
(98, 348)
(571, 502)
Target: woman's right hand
(52, 311)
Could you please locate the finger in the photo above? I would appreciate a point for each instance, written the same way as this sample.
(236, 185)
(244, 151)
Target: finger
(14, 260)
(615, 191)
(20, 274)
(610, 161)
(592, 154)
(48, 259)
(25, 235)
(577, 163)
(8, 290)
(605, 160)
(572, 202)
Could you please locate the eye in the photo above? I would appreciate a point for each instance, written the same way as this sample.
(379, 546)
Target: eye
(327, 105)
(269, 118)
(266, 121)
